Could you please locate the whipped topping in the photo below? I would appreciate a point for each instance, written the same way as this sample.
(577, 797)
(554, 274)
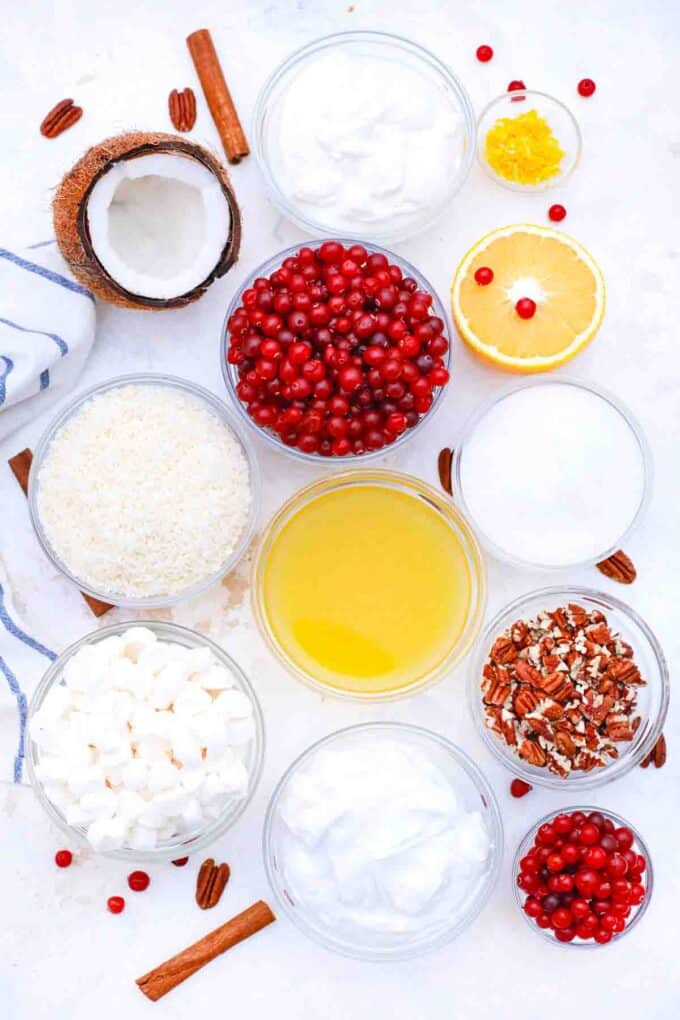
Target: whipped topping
(143, 741)
(376, 837)
(361, 141)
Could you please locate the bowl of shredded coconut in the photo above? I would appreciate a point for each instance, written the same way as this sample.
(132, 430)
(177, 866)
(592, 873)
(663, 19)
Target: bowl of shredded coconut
(143, 491)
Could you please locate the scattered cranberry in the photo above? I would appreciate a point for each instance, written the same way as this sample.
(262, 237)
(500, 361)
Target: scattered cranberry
(586, 87)
(557, 213)
(180, 862)
(484, 276)
(582, 877)
(525, 308)
(518, 788)
(63, 858)
(138, 881)
(517, 86)
(337, 352)
(484, 54)
(116, 904)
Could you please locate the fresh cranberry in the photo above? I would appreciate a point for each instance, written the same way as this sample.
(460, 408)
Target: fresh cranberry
(63, 858)
(518, 788)
(532, 908)
(587, 881)
(116, 904)
(557, 212)
(586, 87)
(525, 308)
(624, 838)
(484, 54)
(138, 881)
(180, 862)
(484, 276)
(561, 918)
(602, 936)
(608, 843)
(617, 866)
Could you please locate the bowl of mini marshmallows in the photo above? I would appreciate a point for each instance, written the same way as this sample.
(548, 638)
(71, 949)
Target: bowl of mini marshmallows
(144, 742)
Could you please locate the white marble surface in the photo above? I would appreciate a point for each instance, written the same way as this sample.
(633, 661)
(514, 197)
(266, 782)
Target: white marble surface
(62, 956)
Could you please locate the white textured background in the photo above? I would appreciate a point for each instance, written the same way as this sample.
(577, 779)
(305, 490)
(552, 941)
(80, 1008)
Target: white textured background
(62, 956)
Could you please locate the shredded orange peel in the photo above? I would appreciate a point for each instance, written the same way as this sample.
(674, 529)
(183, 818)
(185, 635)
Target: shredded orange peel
(523, 149)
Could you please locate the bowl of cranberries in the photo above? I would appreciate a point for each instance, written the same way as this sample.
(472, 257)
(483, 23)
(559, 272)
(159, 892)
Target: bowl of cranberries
(583, 878)
(336, 350)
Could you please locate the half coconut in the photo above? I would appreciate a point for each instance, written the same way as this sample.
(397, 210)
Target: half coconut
(147, 220)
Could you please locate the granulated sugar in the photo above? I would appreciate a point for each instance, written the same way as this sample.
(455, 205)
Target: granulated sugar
(144, 492)
(553, 475)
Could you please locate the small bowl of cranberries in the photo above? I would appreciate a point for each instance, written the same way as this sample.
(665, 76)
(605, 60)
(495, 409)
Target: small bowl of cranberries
(582, 878)
(336, 350)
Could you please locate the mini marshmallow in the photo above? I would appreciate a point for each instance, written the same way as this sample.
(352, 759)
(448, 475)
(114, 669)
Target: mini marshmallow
(191, 700)
(135, 775)
(199, 660)
(167, 685)
(53, 768)
(107, 833)
(136, 640)
(240, 732)
(87, 669)
(142, 838)
(233, 705)
(191, 815)
(163, 776)
(123, 676)
(215, 678)
(153, 749)
(99, 804)
(87, 780)
(191, 778)
(130, 805)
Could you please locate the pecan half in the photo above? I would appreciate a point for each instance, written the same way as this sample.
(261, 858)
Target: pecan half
(618, 567)
(210, 883)
(532, 753)
(657, 756)
(503, 651)
(61, 117)
(182, 109)
(444, 461)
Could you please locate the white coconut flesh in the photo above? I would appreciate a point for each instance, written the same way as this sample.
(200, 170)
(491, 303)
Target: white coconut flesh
(158, 224)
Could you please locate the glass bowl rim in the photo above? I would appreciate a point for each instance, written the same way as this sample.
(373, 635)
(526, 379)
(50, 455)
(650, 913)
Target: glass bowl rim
(213, 404)
(229, 372)
(335, 39)
(523, 846)
(514, 185)
(485, 407)
(513, 763)
(216, 827)
(396, 481)
(494, 828)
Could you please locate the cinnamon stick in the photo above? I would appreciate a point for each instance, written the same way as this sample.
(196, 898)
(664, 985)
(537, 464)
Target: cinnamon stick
(168, 975)
(217, 95)
(20, 465)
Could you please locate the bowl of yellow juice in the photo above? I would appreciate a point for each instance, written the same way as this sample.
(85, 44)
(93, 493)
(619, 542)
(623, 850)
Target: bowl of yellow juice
(369, 584)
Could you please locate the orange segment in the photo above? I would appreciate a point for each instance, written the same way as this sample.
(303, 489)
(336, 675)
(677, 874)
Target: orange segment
(536, 262)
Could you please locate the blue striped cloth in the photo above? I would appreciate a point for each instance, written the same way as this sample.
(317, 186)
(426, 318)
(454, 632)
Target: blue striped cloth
(23, 660)
(47, 323)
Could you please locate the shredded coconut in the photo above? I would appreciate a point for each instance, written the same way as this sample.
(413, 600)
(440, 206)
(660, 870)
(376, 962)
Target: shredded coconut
(143, 492)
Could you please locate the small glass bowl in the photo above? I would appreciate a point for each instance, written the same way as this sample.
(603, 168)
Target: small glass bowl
(562, 122)
(652, 702)
(187, 843)
(231, 377)
(474, 790)
(399, 483)
(468, 430)
(636, 914)
(385, 46)
(200, 396)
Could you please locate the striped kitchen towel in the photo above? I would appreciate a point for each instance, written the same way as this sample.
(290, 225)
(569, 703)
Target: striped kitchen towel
(23, 660)
(47, 323)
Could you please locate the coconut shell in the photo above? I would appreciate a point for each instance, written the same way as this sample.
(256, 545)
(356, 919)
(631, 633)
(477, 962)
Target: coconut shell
(69, 210)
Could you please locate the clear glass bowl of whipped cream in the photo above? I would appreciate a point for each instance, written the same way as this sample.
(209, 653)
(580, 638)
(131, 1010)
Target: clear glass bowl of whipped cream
(383, 841)
(363, 134)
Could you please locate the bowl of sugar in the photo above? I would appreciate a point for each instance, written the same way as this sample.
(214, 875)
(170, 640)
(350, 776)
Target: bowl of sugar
(552, 474)
(144, 742)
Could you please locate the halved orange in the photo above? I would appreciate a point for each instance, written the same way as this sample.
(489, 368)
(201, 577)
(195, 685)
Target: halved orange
(534, 262)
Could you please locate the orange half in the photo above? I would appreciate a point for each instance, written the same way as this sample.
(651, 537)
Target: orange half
(533, 262)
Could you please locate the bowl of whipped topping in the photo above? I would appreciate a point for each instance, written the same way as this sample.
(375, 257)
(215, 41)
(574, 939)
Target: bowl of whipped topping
(144, 742)
(383, 841)
(364, 134)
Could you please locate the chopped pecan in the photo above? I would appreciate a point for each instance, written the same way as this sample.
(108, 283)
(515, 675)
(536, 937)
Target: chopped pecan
(444, 461)
(526, 673)
(496, 693)
(532, 753)
(519, 632)
(623, 671)
(524, 701)
(565, 745)
(503, 651)
(619, 567)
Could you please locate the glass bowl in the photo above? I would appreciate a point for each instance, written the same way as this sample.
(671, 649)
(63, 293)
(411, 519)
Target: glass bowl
(637, 913)
(562, 122)
(652, 702)
(400, 483)
(187, 843)
(471, 424)
(474, 790)
(231, 377)
(200, 396)
(383, 46)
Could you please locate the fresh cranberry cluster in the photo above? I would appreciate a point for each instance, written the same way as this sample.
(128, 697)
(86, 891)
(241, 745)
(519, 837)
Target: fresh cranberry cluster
(583, 877)
(337, 352)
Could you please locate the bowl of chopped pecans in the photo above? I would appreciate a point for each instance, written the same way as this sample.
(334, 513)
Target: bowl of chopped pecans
(568, 685)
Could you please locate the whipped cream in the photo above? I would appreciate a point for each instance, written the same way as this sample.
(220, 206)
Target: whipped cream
(375, 836)
(143, 741)
(363, 143)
